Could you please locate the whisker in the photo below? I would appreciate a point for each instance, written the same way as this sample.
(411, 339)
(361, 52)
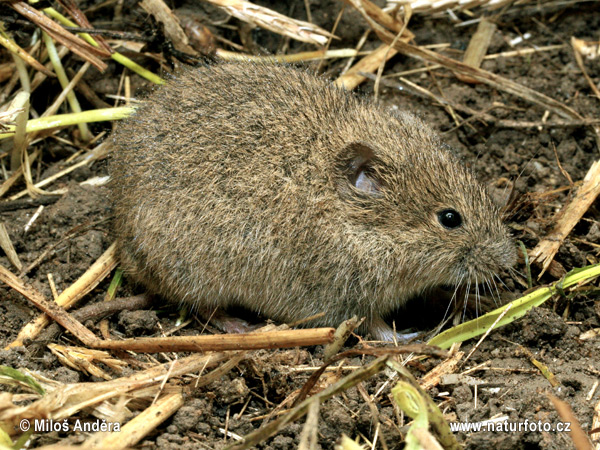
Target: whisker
(459, 279)
(453, 298)
(514, 271)
(496, 298)
(498, 290)
(477, 297)
(502, 282)
(464, 315)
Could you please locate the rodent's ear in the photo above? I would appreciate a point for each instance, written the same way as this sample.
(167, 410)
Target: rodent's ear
(359, 158)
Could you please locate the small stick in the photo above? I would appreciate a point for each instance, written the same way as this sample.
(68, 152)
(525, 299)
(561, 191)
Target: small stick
(383, 18)
(32, 221)
(345, 383)
(448, 366)
(368, 64)
(69, 40)
(89, 312)
(223, 342)
(12, 46)
(478, 47)
(15, 205)
(249, 341)
(50, 308)
(482, 76)
(568, 217)
(142, 424)
(342, 333)
(88, 281)
(273, 21)
(579, 437)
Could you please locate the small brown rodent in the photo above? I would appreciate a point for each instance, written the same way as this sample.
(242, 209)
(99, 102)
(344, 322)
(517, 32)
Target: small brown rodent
(266, 187)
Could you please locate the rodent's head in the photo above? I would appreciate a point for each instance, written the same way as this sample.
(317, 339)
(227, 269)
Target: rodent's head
(411, 203)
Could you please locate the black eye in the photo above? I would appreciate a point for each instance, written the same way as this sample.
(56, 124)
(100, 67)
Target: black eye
(450, 218)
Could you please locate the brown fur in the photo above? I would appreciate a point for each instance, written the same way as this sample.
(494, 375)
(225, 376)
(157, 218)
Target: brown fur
(233, 185)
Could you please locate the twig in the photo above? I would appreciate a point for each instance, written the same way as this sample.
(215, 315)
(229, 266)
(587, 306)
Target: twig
(568, 217)
(88, 281)
(271, 20)
(483, 76)
(74, 43)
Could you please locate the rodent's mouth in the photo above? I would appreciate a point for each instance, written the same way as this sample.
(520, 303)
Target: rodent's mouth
(483, 263)
(427, 310)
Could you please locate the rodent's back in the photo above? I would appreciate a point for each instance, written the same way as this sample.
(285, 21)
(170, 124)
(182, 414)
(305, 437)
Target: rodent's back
(267, 187)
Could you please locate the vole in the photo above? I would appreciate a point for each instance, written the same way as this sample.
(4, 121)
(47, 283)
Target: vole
(266, 187)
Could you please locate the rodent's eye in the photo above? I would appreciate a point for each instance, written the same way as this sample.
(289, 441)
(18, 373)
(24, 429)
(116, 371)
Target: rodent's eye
(450, 218)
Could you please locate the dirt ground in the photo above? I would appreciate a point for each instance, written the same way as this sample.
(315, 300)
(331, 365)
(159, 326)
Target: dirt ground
(538, 164)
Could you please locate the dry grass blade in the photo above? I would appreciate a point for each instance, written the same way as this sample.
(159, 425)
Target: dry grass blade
(50, 308)
(370, 63)
(408, 86)
(4, 187)
(82, 21)
(39, 77)
(273, 21)
(68, 399)
(58, 33)
(9, 249)
(163, 14)
(309, 436)
(87, 360)
(431, 6)
(141, 425)
(596, 420)
(30, 187)
(52, 109)
(345, 383)
(483, 76)
(568, 217)
(448, 366)
(315, 55)
(478, 47)
(580, 47)
(216, 374)
(88, 281)
(578, 436)
(88, 159)
(15, 49)
(274, 339)
(383, 18)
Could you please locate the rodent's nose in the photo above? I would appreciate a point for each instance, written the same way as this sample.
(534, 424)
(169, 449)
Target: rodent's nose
(491, 257)
(510, 257)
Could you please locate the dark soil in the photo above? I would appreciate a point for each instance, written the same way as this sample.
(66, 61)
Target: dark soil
(529, 162)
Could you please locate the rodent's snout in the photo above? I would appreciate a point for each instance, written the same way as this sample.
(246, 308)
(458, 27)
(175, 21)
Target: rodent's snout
(490, 257)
